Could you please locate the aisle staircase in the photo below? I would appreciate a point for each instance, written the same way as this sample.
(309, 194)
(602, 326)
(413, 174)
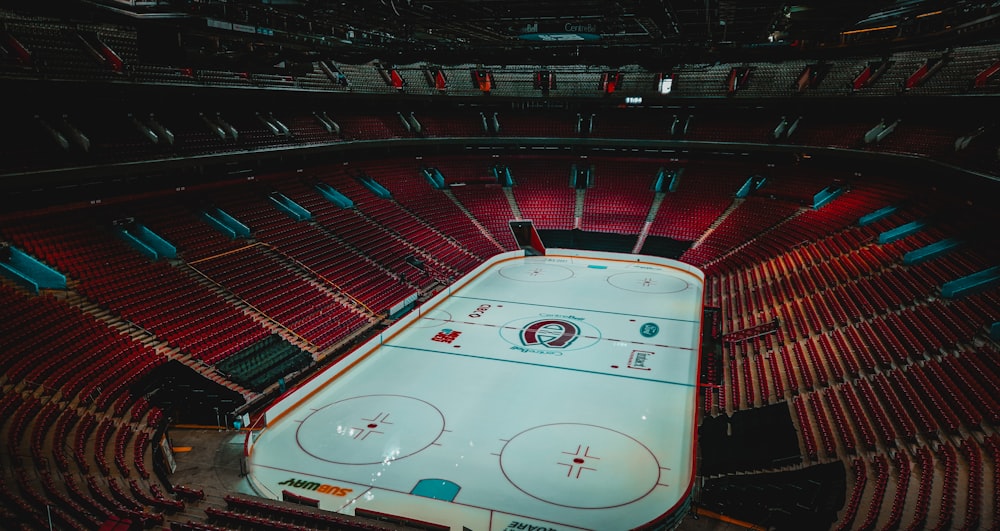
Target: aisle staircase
(654, 207)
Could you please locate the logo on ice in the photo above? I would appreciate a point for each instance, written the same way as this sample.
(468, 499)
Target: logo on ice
(323, 488)
(446, 336)
(550, 333)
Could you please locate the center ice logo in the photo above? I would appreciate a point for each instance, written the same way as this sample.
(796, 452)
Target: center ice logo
(550, 333)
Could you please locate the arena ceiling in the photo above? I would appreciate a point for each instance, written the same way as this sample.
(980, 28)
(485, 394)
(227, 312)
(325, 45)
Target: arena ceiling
(612, 23)
(574, 31)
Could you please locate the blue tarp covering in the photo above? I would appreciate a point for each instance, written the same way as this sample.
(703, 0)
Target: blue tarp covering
(154, 240)
(675, 180)
(380, 190)
(293, 209)
(433, 178)
(881, 213)
(28, 271)
(753, 183)
(901, 232)
(218, 225)
(826, 195)
(930, 251)
(140, 245)
(971, 283)
(19, 276)
(667, 180)
(332, 195)
(744, 190)
(148, 242)
(507, 180)
(236, 225)
(437, 175)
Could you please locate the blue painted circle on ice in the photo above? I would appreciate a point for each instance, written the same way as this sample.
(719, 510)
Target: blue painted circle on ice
(649, 329)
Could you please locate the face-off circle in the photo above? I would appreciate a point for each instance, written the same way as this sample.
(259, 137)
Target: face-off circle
(641, 282)
(581, 466)
(538, 272)
(370, 429)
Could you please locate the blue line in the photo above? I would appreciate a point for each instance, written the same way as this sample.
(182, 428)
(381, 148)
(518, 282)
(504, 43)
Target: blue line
(574, 309)
(537, 365)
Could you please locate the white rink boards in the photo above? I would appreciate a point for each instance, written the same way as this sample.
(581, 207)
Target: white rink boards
(557, 392)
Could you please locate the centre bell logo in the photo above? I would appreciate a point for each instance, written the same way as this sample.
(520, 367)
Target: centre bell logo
(550, 333)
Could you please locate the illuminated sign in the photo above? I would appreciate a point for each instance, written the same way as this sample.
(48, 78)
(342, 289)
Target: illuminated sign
(666, 85)
(560, 37)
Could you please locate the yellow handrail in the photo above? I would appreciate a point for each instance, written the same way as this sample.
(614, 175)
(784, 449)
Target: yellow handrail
(293, 259)
(254, 308)
(729, 520)
(227, 253)
(318, 275)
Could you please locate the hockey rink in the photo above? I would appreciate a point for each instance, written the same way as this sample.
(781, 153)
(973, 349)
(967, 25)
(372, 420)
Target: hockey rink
(548, 392)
